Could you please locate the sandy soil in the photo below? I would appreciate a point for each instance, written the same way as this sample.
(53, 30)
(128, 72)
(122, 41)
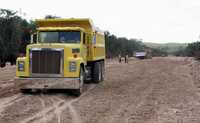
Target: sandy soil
(158, 90)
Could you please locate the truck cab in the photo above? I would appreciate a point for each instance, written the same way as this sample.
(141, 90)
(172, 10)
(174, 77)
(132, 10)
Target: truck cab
(65, 53)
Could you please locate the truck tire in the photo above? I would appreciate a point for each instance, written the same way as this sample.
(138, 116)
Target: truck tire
(97, 72)
(79, 91)
(102, 71)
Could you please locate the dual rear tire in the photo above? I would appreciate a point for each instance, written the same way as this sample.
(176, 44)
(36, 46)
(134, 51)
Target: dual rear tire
(98, 75)
(98, 72)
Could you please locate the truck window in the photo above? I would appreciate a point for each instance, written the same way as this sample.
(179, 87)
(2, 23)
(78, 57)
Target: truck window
(94, 39)
(48, 37)
(60, 37)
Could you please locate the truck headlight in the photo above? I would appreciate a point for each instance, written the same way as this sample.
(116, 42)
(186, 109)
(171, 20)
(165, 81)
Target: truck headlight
(72, 66)
(21, 65)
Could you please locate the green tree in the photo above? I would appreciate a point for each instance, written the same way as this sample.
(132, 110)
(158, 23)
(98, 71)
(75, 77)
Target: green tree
(121, 45)
(14, 36)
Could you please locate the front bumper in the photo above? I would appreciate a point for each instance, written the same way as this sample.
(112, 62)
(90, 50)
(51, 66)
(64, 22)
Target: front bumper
(48, 83)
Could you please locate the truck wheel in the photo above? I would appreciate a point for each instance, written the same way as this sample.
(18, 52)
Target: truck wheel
(102, 71)
(81, 82)
(97, 72)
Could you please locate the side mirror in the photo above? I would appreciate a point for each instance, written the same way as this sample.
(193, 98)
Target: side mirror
(34, 38)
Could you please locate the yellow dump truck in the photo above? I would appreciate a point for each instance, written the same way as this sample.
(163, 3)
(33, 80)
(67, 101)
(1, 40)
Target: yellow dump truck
(63, 54)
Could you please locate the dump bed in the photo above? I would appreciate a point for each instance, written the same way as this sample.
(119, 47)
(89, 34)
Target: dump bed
(86, 24)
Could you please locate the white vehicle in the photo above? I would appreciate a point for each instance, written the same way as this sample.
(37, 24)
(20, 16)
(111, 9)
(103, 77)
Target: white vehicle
(142, 55)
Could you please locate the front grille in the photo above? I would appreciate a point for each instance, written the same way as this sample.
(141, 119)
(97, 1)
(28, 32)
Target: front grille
(46, 61)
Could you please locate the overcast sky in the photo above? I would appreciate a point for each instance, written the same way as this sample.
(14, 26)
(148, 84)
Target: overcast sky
(151, 20)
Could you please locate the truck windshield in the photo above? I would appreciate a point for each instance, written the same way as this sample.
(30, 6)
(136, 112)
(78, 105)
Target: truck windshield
(60, 37)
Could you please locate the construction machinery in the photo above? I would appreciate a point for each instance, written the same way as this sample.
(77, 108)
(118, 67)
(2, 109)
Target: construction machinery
(63, 55)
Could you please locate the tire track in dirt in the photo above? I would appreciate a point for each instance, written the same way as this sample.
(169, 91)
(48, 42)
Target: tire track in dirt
(8, 101)
(57, 109)
(57, 112)
(8, 88)
(44, 118)
(50, 114)
(42, 113)
(75, 116)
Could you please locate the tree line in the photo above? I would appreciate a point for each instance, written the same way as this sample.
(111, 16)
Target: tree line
(191, 50)
(14, 36)
(123, 46)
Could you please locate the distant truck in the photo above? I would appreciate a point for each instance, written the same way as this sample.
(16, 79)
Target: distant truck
(64, 53)
(143, 55)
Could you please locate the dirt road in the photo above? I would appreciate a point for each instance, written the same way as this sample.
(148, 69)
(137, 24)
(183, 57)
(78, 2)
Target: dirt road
(158, 90)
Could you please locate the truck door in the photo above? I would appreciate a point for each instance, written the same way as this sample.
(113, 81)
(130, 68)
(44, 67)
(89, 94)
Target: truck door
(85, 50)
